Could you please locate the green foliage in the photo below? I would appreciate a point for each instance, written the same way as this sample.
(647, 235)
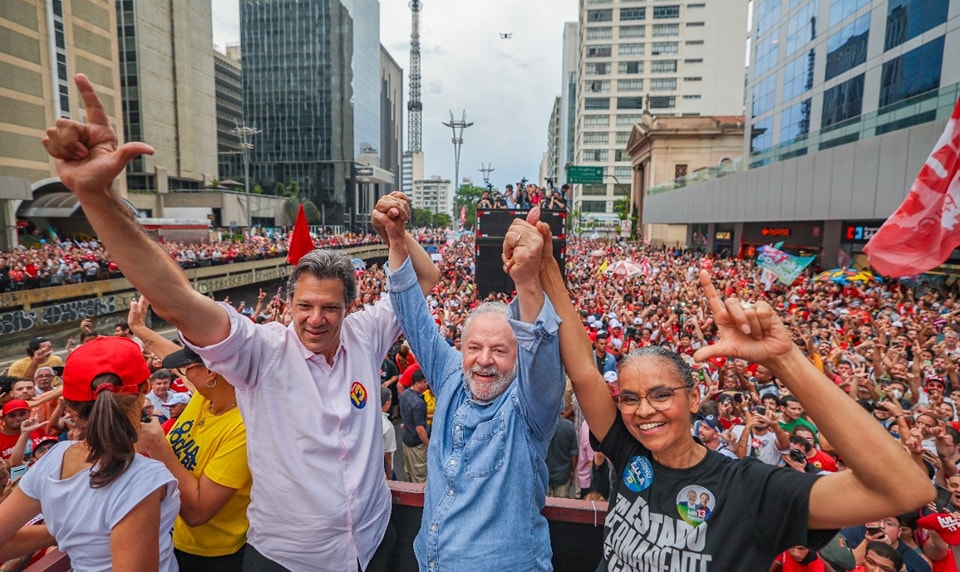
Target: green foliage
(442, 221)
(467, 196)
(257, 189)
(421, 217)
(310, 210)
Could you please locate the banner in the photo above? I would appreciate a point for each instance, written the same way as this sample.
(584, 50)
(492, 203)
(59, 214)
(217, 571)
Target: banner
(786, 267)
(923, 232)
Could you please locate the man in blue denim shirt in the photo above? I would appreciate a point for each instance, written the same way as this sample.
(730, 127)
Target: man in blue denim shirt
(497, 407)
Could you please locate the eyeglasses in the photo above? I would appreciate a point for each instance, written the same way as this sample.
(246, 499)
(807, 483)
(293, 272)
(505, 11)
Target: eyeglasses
(660, 399)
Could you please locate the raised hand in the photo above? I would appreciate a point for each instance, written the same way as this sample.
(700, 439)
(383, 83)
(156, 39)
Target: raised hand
(31, 424)
(137, 316)
(88, 159)
(523, 247)
(390, 215)
(752, 332)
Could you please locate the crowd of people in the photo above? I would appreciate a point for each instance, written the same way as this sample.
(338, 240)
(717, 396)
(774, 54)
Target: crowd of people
(729, 425)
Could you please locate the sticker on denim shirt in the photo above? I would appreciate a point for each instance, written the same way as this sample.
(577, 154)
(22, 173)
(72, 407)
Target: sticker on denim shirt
(638, 476)
(358, 395)
(695, 504)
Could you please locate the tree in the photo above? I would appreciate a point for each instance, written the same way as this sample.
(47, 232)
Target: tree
(310, 210)
(421, 217)
(467, 197)
(442, 220)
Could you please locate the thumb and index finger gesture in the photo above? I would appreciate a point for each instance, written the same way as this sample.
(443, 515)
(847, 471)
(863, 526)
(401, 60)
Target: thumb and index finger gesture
(87, 154)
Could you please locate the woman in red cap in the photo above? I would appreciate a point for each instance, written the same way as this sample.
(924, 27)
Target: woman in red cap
(105, 506)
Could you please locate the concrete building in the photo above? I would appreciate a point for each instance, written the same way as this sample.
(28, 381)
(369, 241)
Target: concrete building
(391, 116)
(42, 45)
(433, 194)
(229, 101)
(659, 147)
(568, 97)
(311, 85)
(551, 166)
(846, 100)
(166, 67)
(667, 59)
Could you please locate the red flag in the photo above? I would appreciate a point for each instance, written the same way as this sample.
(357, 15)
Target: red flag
(923, 232)
(300, 241)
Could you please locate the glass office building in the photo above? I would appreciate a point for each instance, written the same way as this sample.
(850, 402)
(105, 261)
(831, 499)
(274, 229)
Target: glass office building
(820, 66)
(311, 86)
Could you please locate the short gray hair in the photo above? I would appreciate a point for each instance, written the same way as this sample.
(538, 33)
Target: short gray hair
(323, 264)
(497, 308)
(679, 366)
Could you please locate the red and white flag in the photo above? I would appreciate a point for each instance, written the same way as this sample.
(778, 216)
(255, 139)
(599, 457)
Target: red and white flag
(923, 232)
(300, 241)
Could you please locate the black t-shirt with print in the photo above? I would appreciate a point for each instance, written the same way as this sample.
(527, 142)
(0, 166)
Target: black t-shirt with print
(719, 515)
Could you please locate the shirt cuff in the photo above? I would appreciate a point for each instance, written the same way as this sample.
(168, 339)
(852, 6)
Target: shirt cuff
(547, 323)
(402, 278)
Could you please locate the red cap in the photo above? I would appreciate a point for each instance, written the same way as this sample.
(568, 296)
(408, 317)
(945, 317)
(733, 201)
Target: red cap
(943, 524)
(15, 405)
(104, 354)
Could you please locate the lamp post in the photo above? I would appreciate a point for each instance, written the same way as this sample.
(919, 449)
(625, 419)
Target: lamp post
(457, 125)
(245, 133)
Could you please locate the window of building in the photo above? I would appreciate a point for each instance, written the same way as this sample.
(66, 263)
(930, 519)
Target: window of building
(599, 51)
(693, 60)
(908, 19)
(763, 95)
(691, 97)
(596, 69)
(633, 14)
(599, 15)
(662, 101)
(766, 55)
(694, 42)
(801, 28)
(795, 122)
(840, 9)
(621, 155)
(663, 66)
(596, 120)
(847, 48)
(594, 190)
(761, 136)
(623, 137)
(842, 102)
(692, 78)
(666, 30)
(666, 12)
(594, 206)
(594, 137)
(768, 14)
(625, 174)
(629, 85)
(629, 119)
(663, 48)
(630, 67)
(630, 102)
(599, 1)
(697, 5)
(597, 86)
(913, 73)
(798, 75)
(695, 24)
(630, 49)
(679, 170)
(595, 154)
(632, 31)
(602, 33)
(596, 103)
(663, 84)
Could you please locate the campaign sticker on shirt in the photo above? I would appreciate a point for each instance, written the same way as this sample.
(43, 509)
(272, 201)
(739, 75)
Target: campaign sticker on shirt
(638, 475)
(695, 504)
(358, 395)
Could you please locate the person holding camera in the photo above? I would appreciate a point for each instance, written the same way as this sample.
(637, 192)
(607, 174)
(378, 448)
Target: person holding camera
(887, 530)
(761, 437)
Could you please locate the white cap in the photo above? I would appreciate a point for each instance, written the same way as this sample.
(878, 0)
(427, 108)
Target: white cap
(610, 377)
(614, 323)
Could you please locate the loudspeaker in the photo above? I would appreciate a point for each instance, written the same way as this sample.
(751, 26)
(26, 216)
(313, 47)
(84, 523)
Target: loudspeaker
(493, 223)
(490, 274)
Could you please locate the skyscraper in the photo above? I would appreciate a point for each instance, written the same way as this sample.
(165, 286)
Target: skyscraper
(665, 59)
(166, 68)
(311, 85)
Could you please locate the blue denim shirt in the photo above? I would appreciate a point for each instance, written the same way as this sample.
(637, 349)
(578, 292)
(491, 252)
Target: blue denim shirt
(486, 464)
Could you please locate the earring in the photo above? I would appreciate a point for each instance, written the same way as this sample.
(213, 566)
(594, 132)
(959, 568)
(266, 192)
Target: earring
(211, 385)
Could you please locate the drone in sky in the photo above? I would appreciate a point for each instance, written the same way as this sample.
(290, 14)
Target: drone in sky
(506, 35)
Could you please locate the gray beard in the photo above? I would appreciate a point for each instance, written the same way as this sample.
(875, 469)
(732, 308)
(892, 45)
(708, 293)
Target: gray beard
(490, 391)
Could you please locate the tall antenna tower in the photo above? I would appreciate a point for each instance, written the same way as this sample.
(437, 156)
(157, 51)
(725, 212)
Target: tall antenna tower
(414, 105)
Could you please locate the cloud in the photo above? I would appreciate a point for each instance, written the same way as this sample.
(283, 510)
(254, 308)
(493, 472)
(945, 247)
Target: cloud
(507, 87)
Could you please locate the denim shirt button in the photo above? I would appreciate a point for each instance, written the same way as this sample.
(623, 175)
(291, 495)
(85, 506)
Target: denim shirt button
(449, 492)
(433, 564)
(433, 527)
(456, 428)
(453, 462)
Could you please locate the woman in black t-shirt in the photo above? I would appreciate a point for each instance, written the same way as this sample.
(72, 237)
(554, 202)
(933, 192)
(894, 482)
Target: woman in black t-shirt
(746, 512)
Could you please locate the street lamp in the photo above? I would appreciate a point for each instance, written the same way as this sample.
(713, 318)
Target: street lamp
(245, 133)
(458, 125)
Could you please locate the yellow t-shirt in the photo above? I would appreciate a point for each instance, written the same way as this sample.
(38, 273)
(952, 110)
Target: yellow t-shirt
(431, 402)
(215, 446)
(19, 367)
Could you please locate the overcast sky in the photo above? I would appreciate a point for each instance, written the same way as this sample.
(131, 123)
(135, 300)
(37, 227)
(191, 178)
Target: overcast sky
(506, 86)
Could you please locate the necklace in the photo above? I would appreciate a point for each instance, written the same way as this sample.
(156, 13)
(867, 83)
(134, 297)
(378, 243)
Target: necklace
(209, 409)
